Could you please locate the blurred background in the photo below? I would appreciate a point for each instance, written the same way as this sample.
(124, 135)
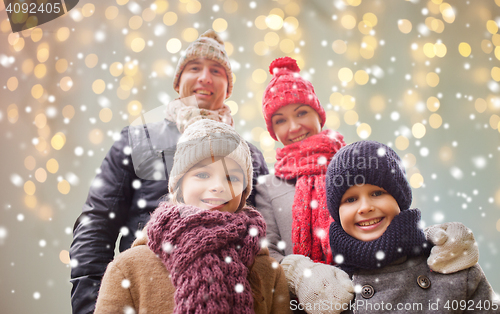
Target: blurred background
(421, 76)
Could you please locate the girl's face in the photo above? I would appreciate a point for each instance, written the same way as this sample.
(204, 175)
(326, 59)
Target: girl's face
(366, 211)
(207, 185)
(295, 122)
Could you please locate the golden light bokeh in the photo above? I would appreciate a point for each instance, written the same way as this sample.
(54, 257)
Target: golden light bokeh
(96, 136)
(351, 117)
(495, 73)
(30, 162)
(292, 8)
(361, 77)
(66, 83)
(339, 46)
(88, 9)
(402, 142)
(111, 12)
(233, 106)
(37, 91)
(409, 160)
(480, 105)
(370, 19)
(105, 115)
(266, 142)
(433, 104)
(63, 34)
(52, 165)
(98, 86)
(364, 130)
(492, 27)
(64, 257)
(28, 66)
(287, 45)
(348, 21)
(416, 180)
(190, 34)
(41, 175)
(170, 18)
(135, 22)
(336, 98)
(42, 55)
(68, 112)
(404, 26)
(274, 22)
(40, 120)
(271, 39)
(137, 44)
(494, 120)
(418, 130)
(91, 60)
(464, 49)
(61, 65)
(134, 108)
(12, 83)
(259, 76)
(30, 201)
(219, 25)
(174, 45)
(116, 69)
(29, 187)
(486, 46)
(63, 187)
(148, 14)
(432, 79)
(260, 22)
(332, 120)
(193, 7)
(58, 140)
(260, 48)
(435, 121)
(345, 75)
(348, 102)
(377, 103)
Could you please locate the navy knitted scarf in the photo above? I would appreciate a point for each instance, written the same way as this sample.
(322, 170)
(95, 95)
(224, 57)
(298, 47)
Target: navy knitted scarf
(403, 237)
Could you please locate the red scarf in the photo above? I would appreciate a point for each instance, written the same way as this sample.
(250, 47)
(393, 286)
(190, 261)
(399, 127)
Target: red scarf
(307, 161)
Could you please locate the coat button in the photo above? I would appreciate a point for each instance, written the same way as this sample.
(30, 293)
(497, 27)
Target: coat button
(367, 291)
(423, 282)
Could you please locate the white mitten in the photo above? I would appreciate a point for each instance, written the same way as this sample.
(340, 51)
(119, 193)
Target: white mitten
(325, 286)
(455, 248)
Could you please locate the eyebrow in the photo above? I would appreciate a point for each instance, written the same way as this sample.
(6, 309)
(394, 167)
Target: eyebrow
(280, 114)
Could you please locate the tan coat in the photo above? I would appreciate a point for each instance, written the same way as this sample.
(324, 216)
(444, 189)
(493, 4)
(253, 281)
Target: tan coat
(138, 279)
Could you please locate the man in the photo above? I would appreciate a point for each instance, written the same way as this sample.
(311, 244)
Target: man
(129, 186)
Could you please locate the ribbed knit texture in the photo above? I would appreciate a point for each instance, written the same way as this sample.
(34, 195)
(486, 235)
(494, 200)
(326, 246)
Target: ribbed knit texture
(207, 254)
(208, 46)
(403, 237)
(366, 162)
(184, 112)
(307, 162)
(287, 87)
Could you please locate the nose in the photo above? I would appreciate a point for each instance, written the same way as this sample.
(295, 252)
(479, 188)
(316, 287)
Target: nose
(294, 126)
(205, 76)
(365, 206)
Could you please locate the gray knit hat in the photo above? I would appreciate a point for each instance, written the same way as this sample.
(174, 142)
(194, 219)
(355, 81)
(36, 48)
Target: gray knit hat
(208, 138)
(209, 46)
(366, 162)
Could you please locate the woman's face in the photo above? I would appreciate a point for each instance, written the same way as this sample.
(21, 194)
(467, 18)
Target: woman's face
(209, 186)
(295, 122)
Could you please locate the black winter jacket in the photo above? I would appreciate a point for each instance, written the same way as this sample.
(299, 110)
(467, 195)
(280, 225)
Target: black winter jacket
(121, 198)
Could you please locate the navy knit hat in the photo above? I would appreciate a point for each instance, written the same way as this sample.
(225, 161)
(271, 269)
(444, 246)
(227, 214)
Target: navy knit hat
(366, 162)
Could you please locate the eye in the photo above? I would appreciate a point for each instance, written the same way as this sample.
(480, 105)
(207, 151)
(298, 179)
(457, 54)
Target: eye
(279, 121)
(233, 178)
(302, 113)
(193, 68)
(202, 175)
(350, 200)
(378, 193)
(216, 71)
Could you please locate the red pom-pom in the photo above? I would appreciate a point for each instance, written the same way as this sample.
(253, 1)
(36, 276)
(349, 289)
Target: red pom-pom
(284, 63)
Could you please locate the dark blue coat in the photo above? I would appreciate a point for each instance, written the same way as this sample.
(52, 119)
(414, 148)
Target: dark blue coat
(123, 194)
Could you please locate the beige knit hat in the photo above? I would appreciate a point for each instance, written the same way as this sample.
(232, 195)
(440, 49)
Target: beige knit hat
(209, 46)
(208, 138)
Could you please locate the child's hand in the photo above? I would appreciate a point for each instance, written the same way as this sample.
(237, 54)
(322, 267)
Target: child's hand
(455, 248)
(317, 283)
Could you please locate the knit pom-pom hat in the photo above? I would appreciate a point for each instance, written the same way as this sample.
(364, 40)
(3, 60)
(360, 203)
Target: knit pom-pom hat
(366, 162)
(208, 138)
(208, 46)
(288, 87)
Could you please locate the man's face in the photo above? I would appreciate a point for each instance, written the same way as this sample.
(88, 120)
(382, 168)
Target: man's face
(207, 80)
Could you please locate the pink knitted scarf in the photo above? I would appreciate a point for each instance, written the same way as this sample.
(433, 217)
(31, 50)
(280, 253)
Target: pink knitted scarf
(307, 161)
(207, 254)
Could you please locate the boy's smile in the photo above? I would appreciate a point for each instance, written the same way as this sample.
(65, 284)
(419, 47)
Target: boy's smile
(366, 211)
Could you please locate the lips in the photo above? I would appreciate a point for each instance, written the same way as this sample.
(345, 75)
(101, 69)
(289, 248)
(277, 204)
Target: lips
(214, 203)
(300, 138)
(203, 92)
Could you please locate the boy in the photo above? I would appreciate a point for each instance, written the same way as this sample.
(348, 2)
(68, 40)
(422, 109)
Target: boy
(376, 239)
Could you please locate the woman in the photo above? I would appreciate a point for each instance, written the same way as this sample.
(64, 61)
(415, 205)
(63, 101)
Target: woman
(293, 200)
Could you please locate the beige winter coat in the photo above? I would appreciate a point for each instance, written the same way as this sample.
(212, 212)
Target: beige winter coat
(137, 279)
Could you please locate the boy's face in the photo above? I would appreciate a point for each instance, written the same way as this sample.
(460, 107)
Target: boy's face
(207, 185)
(366, 211)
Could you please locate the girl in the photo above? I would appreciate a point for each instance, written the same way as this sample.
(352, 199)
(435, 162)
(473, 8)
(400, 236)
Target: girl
(293, 200)
(201, 251)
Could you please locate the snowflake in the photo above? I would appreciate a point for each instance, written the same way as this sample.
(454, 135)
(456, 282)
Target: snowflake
(228, 259)
(339, 258)
(307, 273)
(125, 283)
(253, 232)
(380, 255)
(167, 247)
(239, 288)
(124, 231)
(281, 245)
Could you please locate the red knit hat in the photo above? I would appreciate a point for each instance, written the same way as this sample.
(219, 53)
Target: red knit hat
(287, 87)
